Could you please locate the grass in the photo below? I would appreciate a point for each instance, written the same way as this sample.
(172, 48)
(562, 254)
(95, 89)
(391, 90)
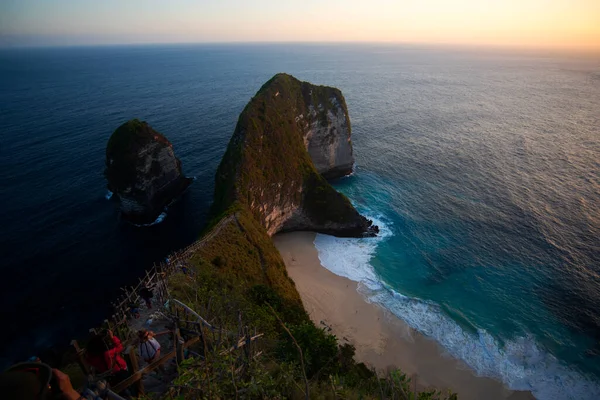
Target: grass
(240, 276)
(266, 165)
(240, 279)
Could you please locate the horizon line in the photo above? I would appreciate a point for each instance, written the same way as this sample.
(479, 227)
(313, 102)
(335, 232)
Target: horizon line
(489, 46)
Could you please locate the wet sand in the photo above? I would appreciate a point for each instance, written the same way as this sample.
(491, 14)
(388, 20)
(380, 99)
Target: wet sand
(381, 339)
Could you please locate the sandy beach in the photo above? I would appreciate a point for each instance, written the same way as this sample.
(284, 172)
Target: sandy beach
(381, 339)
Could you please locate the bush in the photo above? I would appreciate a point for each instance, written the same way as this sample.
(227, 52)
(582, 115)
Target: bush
(262, 294)
(218, 261)
(320, 349)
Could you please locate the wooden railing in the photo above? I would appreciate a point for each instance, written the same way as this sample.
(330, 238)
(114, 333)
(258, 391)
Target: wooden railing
(184, 317)
(136, 377)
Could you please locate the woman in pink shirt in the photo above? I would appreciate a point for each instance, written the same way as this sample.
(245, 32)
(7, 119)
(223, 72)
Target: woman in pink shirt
(103, 353)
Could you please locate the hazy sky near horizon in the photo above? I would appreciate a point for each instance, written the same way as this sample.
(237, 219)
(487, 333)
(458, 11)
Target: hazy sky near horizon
(530, 23)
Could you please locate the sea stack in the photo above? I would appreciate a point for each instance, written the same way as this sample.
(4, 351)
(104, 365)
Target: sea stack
(142, 171)
(289, 138)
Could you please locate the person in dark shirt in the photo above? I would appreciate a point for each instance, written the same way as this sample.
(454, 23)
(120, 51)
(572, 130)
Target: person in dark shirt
(146, 294)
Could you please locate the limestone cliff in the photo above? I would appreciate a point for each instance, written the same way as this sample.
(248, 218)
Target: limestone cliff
(325, 127)
(142, 171)
(268, 170)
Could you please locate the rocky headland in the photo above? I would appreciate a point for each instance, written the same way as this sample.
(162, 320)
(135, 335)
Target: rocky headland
(289, 138)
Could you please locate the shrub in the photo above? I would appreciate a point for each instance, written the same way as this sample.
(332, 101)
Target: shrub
(319, 349)
(218, 261)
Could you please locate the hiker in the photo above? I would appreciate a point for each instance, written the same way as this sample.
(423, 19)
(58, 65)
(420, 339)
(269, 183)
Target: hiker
(104, 355)
(149, 347)
(134, 310)
(35, 381)
(146, 294)
(39, 381)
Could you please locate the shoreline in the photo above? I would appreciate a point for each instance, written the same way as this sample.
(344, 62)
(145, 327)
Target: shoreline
(381, 339)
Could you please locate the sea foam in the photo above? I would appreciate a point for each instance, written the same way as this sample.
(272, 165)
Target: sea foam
(158, 219)
(519, 363)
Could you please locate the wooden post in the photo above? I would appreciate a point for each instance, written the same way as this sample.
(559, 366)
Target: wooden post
(108, 326)
(178, 347)
(136, 367)
(84, 367)
(123, 327)
(248, 344)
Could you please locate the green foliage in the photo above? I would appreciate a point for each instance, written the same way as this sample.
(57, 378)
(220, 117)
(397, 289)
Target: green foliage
(218, 261)
(322, 202)
(249, 282)
(240, 279)
(266, 159)
(319, 349)
(398, 382)
(239, 269)
(223, 298)
(121, 152)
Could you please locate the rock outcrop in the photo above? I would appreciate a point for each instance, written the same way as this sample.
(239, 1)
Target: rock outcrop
(325, 127)
(268, 170)
(142, 171)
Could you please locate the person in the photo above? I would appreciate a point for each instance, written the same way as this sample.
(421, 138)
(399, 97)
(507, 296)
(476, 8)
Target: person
(134, 309)
(149, 347)
(104, 355)
(146, 294)
(65, 387)
(36, 381)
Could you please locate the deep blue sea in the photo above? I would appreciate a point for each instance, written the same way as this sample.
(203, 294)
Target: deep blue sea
(481, 166)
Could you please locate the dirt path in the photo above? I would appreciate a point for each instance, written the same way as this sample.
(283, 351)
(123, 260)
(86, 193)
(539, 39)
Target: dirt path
(152, 319)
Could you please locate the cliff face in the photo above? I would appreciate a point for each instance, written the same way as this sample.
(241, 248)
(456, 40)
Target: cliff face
(142, 171)
(326, 130)
(268, 170)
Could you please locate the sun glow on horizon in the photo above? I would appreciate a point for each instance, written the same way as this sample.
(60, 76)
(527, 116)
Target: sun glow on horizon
(523, 23)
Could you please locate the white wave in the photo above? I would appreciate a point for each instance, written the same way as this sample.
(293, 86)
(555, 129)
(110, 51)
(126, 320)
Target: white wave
(158, 219)
(349, 257)
(108, 195)
(519, 363)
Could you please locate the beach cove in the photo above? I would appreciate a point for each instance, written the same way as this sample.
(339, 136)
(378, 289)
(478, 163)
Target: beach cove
(382, 340)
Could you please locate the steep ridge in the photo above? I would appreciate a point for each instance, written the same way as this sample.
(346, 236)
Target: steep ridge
(267, 183)
(268, 170)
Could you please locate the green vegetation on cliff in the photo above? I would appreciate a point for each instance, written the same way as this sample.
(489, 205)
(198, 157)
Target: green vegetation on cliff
(142, 171)
(121, 152)
(266, 167)
(239, 279)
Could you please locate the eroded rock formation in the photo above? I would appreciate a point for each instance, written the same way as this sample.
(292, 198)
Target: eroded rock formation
(142, 171)
(326, 130)
(268, 169)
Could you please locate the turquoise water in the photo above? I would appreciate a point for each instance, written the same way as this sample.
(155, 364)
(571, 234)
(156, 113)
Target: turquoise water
(486, 315)
(486, 182)
(481, 166)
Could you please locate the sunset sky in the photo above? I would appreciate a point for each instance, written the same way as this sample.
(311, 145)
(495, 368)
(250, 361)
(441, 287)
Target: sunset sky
(528, 23)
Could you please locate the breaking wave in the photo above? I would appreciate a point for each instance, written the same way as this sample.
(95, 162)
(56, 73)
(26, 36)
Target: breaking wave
(520, 363)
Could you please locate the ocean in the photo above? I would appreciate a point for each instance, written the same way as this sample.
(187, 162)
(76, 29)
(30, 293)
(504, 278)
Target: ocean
(481, 166)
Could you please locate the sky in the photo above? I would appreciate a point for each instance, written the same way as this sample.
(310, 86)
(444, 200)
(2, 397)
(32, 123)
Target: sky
(523, 23)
